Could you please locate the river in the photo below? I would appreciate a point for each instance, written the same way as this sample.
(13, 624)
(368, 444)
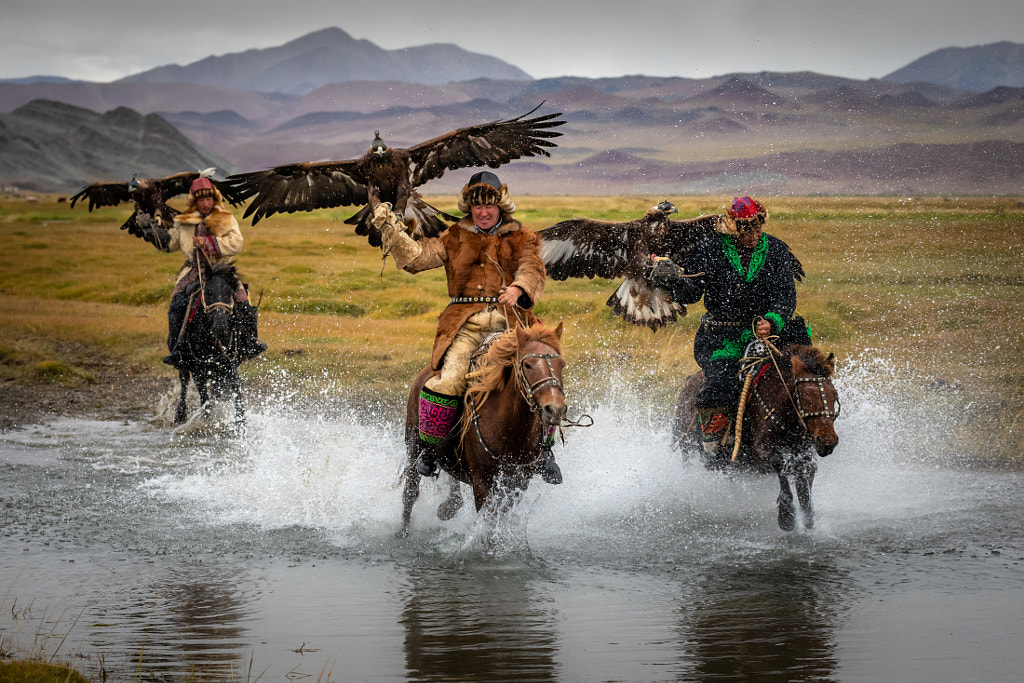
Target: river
(140, 552)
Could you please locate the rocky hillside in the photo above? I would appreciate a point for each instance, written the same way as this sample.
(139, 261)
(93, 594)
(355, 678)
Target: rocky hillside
(55, 147)
(332, 56)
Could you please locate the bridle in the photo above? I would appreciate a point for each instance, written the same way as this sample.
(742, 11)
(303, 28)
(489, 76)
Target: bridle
(771, 414)
(229, 306)
(529, 391)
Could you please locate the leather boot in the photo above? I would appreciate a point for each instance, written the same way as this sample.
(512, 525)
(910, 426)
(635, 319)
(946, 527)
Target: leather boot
(249, 344)
(175, 330)
(438, 415)
(549, 470)
(713, 424)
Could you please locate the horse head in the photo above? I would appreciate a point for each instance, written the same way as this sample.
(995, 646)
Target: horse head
(539, 366)
(217, 302)
(815, 397)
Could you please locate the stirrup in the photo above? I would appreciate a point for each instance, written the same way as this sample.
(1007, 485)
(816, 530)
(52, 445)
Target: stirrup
(172, 359)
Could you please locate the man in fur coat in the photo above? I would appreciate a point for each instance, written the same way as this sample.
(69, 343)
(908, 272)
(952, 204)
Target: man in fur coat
(747, 282)
(495, 276)
(208, 232)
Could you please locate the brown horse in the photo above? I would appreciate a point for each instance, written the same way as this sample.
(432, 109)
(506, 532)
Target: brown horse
(514, 396)
(788, 413)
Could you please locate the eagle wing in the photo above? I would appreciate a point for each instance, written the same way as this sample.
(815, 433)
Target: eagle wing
(488, 144)
(298, 187)
(181, 183)
(584, 247)
(103, 194)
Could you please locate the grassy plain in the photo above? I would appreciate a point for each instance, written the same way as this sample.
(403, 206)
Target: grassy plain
(933, 285)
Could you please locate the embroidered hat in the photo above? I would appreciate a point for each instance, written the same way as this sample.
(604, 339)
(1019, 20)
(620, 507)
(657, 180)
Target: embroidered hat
(744, 214)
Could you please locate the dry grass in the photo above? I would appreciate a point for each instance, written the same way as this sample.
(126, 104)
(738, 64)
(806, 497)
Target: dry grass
(935, 284)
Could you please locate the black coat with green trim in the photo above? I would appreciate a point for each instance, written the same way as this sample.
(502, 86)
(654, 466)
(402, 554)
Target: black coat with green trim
(733, 293)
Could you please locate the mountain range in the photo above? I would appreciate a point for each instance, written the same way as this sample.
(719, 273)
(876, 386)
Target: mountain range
(911, 132)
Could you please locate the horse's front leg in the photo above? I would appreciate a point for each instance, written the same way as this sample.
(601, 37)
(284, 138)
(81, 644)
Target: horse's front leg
(787, 512)
(181, 413)
(236, 390)
(804, 480)
(201, 380)
(410, 492)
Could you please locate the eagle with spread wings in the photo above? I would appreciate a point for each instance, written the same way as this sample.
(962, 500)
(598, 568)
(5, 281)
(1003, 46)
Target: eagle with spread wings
(390, 174)
(149, 196)
(584, 247)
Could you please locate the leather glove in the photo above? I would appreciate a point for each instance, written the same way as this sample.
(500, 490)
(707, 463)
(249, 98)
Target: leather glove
(664, 270)
(389, 223)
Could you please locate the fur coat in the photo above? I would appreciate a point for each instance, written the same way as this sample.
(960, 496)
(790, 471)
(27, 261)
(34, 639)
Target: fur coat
(223, 238)
(480, 265)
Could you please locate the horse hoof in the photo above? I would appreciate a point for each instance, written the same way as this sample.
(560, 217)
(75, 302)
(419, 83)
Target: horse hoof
(447, 509)
(402, 533)
(808, 520)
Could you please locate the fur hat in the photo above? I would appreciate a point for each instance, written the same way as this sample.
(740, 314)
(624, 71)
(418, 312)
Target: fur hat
(744, 214)
(484, 188)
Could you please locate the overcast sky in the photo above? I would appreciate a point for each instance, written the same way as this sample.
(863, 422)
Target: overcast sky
(102, 40)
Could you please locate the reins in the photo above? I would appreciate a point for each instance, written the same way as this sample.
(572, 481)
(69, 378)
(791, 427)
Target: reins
(207, 307)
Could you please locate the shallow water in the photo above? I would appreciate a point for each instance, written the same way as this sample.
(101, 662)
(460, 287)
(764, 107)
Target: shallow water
(148, 552)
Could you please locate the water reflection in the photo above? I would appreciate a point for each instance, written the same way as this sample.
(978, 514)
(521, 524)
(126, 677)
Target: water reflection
(478, 623)
(179, 624)
(765, 621)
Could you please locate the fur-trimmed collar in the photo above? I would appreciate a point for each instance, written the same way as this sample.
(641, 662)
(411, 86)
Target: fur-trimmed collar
(219, 221)
(508, 224)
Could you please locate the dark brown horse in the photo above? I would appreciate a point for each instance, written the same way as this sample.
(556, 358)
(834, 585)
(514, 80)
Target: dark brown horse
(514, 396)
(210, 356)
(788, 409)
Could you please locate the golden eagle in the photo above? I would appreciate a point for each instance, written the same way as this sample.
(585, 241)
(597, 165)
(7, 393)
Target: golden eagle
(388, 174)
(149, 195)
(583, 247)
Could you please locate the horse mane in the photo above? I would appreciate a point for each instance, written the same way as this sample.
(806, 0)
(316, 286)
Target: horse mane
(491, 374)
(228, 272)
(816, 360)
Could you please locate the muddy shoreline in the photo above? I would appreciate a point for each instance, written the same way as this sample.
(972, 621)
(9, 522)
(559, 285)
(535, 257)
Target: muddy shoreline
(113, 393)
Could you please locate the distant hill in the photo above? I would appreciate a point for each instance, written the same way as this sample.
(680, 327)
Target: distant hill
(979, 68)
(54, 147)
(28, 80)
(332, 56)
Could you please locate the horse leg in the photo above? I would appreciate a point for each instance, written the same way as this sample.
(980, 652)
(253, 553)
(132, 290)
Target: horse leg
(410, 492)
(236, 389)
(804, 482)
(204, 392)
(787, 513)
(181, 413)
(453, 503)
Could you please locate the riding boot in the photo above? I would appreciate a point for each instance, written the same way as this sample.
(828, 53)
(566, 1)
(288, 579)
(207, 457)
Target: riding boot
(438, 414)
(549, 470)
(713, 424)
(175, 329)
(249, 344)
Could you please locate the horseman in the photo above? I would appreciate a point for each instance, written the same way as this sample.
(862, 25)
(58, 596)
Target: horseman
(495, 276)
(746, 278)
(206, 233)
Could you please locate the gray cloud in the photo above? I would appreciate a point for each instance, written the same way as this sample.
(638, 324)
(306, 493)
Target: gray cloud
(103, 40)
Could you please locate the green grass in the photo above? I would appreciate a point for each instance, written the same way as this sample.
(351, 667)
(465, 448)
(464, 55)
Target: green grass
(934, 283)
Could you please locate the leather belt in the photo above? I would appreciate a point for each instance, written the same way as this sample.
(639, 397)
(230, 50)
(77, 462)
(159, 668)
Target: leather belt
(473, 300)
